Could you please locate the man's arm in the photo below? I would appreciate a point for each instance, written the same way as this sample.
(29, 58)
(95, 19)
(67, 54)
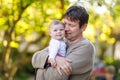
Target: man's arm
(82, 60)
(82, 63)
(39, 58)
(50, 73)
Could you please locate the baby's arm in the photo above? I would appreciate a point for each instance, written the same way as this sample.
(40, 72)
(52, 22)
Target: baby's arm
(53, 50)
(52, 62)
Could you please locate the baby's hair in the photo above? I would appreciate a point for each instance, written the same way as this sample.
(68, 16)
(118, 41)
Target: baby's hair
(56, 22)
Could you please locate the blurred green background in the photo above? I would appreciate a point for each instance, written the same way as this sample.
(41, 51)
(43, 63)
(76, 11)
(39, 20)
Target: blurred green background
(24, 30)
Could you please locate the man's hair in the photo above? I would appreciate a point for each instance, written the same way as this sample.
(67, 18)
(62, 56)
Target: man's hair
(56, 22)
(77, 13)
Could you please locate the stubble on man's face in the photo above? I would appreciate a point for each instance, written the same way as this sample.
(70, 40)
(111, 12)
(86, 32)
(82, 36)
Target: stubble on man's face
(72, 30)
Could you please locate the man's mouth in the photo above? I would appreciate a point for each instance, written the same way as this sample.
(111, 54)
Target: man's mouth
(68, 33)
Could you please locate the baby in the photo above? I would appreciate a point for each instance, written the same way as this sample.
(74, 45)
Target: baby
(57, 45)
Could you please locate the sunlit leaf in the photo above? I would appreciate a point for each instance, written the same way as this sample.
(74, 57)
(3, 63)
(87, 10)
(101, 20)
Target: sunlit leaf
(5, 42)
(14, 44)
(111, 40)
(106, 30)
(103, 37)
(91, 31)
(3, 20)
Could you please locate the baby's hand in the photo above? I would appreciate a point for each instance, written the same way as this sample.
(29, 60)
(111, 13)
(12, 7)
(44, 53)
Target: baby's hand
(52, 62)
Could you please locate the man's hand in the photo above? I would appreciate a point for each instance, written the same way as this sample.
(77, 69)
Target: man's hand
(63, 64)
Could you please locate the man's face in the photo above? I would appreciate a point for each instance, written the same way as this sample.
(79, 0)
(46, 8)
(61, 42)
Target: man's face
(72, 30)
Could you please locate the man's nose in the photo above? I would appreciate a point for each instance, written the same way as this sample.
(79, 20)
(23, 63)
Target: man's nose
(66, 27)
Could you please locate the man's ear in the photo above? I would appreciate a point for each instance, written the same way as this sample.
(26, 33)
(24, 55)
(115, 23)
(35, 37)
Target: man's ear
(84, 26)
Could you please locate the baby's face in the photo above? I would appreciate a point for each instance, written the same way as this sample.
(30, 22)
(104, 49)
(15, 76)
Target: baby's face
(57, 31)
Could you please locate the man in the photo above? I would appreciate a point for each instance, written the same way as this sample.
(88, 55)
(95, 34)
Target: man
(78, 63)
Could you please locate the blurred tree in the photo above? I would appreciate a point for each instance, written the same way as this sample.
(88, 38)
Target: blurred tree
(24, 23)
(116, 29)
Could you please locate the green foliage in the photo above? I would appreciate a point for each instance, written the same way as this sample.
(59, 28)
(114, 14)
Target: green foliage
(24, 72)
(116, 63)
(109, 60)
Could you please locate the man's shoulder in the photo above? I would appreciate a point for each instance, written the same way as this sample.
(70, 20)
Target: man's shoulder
(45, 49)
(82, 44)
(88, 42)
(85, 42)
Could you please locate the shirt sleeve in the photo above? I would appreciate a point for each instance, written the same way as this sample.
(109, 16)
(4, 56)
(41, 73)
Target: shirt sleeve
(39, 61)
(53, 48)
(39, 58)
